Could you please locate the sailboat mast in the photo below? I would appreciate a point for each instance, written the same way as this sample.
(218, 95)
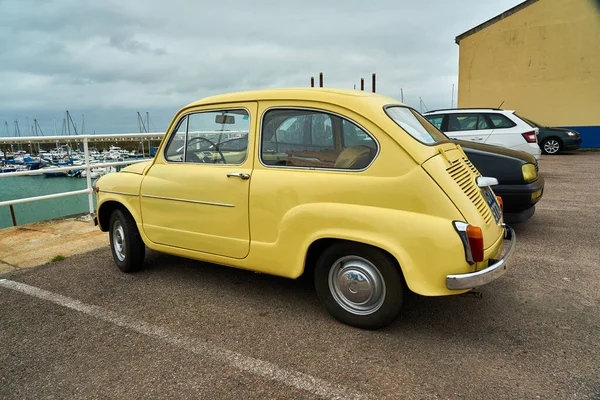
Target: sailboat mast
(68, 125)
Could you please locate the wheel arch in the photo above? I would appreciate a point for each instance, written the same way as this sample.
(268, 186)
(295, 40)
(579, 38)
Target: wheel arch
(317, 247)
(106, 209)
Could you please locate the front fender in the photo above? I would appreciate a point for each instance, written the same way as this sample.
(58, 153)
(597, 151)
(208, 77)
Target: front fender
(118, 188)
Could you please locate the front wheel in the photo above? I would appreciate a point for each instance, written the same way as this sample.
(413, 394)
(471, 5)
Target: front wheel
(551, 146)
(359, 285)
(126, 244)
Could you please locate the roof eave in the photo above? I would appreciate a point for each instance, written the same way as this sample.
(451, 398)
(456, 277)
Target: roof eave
(493, 20)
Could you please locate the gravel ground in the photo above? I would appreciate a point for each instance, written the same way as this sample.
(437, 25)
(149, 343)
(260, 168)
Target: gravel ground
(186, 329)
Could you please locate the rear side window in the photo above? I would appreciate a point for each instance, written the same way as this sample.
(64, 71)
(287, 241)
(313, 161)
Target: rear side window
(314, 139)
(415, 125)
(467, 122)
(499, 121)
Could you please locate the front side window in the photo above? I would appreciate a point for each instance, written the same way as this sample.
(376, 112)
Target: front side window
(211, 137)
(415, 125)
(314, 139)
(436, 120)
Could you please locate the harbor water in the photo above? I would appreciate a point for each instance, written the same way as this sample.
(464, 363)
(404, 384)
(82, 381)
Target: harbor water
(18, 187)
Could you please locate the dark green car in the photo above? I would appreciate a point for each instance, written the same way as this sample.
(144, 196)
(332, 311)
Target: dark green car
(553, 140)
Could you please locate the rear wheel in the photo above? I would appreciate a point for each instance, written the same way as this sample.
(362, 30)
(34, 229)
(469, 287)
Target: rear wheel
(126, 244)
(359, 285)
(551, 146)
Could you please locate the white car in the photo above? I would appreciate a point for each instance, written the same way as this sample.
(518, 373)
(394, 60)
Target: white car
(487, 125)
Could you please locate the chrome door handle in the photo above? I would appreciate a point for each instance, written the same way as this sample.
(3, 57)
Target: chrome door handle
(240, 175)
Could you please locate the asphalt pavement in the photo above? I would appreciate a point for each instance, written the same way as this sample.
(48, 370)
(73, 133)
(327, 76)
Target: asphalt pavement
(79, 328)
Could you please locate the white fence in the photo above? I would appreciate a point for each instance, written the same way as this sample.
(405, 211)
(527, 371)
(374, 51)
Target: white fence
(85, 139)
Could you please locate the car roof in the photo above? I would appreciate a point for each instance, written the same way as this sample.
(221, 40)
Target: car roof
(467, 110)
(327, 95)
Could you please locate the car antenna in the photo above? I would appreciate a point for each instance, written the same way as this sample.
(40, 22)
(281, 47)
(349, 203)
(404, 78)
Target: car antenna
(501, 104)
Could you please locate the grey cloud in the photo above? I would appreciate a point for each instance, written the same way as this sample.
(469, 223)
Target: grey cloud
(127, 43)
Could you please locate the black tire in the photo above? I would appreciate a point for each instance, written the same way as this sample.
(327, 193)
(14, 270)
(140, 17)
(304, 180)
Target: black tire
(350, 265)
(551, 146)
(127, 247)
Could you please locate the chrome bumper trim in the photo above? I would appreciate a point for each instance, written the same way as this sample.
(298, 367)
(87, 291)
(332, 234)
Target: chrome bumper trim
(495, 269)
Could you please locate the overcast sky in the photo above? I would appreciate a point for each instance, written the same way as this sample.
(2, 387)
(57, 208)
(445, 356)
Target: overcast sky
(108, 59)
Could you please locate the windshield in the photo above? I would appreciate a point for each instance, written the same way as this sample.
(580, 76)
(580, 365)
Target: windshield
(415, 125)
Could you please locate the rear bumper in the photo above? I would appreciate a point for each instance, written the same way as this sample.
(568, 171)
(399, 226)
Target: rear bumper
(495, 269)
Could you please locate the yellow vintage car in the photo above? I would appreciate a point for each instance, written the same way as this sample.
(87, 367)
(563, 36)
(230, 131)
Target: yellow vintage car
(353, 187)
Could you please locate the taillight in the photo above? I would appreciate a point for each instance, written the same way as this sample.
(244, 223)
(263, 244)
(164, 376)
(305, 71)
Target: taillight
(530, 137)
(472, 239)
(500, 203)
(475, 237)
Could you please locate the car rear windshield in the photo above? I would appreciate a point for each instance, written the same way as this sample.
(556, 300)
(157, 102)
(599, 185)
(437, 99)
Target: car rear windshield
(528, 121)
(415, 125)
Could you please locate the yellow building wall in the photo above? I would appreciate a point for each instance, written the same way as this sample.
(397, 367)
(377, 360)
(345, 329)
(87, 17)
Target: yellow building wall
(543, 61)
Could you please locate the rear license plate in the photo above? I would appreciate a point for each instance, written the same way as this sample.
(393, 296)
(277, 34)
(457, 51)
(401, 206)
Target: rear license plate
(492, 203)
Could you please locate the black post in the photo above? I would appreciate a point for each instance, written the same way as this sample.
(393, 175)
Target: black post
(12, 215)
(362, 83)
(312, 81)
(320, 79)
(373, 84)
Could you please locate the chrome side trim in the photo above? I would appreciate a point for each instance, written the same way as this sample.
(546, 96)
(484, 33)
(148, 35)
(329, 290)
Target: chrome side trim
(262, 117)
(113, 192)
(496, 269)
(208, 203)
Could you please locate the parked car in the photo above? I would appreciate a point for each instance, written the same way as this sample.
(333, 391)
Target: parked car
(353, 187)
(519, 184)
(554, 140)
(487, 125)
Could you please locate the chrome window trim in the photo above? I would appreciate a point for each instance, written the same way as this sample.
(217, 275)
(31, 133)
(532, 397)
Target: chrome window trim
(208, 203)
(314, 168)
(186, 136)
(114, 192)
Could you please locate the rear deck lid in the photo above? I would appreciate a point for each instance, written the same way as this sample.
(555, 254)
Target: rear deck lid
(456, 175)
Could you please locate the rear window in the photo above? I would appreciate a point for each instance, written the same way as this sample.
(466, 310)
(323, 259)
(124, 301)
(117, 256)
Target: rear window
(415, 125)
(528, 122)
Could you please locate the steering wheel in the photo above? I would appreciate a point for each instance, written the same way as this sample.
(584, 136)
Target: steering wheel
(195, 158)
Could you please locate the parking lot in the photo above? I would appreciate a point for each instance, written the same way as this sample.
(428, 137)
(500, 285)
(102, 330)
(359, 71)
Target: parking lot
(79, 328)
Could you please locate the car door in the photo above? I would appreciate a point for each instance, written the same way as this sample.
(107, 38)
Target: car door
(468, 126)
(195, 195)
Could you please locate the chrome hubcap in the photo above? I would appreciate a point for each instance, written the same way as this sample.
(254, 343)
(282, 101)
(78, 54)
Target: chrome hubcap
(551, 146)
(356, 285)
(119, 240)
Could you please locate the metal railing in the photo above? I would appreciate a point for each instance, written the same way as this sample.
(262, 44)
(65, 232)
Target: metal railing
(87, 166)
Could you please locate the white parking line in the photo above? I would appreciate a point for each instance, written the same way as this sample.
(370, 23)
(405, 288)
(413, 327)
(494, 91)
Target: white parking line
(252, 365)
